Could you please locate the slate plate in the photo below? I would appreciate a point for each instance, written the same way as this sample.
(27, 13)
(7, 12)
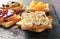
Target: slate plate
(20, 34)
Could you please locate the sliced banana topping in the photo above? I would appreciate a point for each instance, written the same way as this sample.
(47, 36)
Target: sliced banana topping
(34, 18)
(27, 22)
(44, 21)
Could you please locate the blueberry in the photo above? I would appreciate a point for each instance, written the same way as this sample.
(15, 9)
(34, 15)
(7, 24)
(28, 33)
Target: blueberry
(7, 5)
(12, 2)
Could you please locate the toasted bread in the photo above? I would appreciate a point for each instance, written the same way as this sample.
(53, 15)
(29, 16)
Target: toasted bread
(19, 8)
(35, 27)
(1, 20)
(10, 21)
(8, 17)
(37, 6)
(14, 6)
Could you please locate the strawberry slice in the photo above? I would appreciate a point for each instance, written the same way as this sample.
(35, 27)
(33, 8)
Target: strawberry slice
(5, 11)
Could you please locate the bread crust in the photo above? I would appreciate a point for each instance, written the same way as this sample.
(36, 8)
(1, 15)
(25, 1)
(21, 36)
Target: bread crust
(10, 21)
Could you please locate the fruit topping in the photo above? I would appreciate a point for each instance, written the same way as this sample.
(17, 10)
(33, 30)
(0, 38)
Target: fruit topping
(6, 13)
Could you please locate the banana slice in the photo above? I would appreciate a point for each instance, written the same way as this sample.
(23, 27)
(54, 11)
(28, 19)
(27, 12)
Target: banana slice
(44, 21)
(27, 22)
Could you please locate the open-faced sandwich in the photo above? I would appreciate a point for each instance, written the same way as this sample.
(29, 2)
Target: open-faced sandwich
(16, 6)
(35, 21)
(8, 17)
(37, 6)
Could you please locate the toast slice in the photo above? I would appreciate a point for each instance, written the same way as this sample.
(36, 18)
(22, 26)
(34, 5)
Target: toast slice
(1, 20)
(34, 21)
(10, 21)
(16, 6)
(37, 6)
(19, 8)
(8, 17)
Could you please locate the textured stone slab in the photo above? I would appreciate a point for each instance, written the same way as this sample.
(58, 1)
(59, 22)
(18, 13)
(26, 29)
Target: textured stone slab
(47, 34)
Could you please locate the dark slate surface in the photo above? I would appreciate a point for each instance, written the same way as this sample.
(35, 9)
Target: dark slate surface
(47, 34)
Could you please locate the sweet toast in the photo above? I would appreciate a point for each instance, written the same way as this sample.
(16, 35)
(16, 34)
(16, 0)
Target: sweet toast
(11, 21)
(37, 6)
(36, 26)
(16, 6)
(8, 17)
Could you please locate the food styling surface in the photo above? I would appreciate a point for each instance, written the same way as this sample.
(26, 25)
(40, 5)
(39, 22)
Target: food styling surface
(54, 33)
